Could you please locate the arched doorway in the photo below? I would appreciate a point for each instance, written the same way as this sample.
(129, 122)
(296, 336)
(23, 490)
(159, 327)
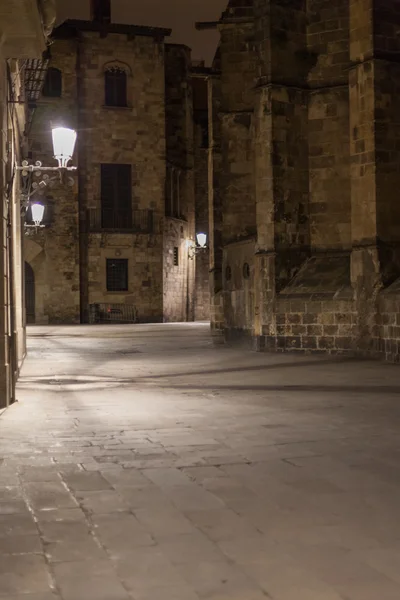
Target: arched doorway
(29, 294)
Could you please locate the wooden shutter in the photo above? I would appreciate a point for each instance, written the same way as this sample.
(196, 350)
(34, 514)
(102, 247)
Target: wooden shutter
(108, 187)
(125, 195)
(116, 196)
(115, 87)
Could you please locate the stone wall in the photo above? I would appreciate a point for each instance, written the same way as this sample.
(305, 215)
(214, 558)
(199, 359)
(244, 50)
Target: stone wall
(320, 178)
(201, 154)
(133, 135)
(238, 274)
(179, 281)
(177, 271)
(215, 203)
(388, 323)
(153, 133)
(12, 322)
(145, 288)
(56, 268)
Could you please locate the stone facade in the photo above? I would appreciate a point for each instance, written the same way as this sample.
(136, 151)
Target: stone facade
(303, 175)
(23, 40)
(201, 152)
(153, 134)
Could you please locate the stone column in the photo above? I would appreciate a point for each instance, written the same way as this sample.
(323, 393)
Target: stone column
(375, 157)
(281, 156)
(214, 208)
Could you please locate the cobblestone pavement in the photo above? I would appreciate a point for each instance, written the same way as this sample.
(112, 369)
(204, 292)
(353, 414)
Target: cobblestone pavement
(143, 463)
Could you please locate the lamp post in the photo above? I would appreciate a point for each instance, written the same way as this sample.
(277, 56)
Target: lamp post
(64, 140)
(193, 249)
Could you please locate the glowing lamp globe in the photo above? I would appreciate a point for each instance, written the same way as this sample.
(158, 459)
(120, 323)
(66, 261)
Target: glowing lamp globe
(201, 240)
(63, 145)
(37, 213)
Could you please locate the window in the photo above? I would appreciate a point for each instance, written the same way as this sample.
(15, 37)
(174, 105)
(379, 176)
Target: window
(53, 83)
(117, 274)
(115, 82)
(201, 120)
(116, 196)
(176, 256)
(173, 193)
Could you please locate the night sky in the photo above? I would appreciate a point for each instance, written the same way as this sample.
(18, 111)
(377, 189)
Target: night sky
(180, 15)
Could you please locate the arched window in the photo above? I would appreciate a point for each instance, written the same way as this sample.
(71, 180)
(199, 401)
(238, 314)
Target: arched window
(115, 82)
(53, 83)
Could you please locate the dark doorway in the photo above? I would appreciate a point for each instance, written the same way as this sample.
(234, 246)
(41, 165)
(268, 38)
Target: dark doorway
(29, 294)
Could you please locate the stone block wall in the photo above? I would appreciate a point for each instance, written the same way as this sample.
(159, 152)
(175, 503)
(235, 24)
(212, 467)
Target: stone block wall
(133, 135)
(329, 169)
(178, 273)
(153, 133)
(215, 203)
(238, 63)
(313, 325)
(145, 288)
(56, 268)
(201, 156)
(388, 323)
(325, 131)
(238, 295)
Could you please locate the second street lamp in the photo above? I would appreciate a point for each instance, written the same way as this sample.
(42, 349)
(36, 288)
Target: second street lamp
(64, 140)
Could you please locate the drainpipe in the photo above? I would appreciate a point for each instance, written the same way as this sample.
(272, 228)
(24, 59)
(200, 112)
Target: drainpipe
(172, 171)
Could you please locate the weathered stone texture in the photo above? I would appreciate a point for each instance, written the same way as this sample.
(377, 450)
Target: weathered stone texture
(201, 140)
(329, 174)
(153, 134)
(178, 278)
(238, 274)
(56, 268)
(321, 174)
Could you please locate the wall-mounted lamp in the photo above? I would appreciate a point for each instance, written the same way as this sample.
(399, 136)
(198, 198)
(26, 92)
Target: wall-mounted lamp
(193, 249)
(37, 211)
(63, 145)
(64, 140)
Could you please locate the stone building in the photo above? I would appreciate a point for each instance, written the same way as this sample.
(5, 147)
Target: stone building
(118, 241)
(303, 175)
(24, 26)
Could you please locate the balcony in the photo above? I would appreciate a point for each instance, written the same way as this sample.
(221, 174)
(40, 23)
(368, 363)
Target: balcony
(105, 220)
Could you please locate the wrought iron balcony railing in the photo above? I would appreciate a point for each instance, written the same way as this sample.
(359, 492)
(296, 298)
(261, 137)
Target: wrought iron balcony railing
(137, 221)
(112, 313)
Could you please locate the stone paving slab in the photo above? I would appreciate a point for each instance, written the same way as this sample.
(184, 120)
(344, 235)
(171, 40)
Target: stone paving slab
(143, 463)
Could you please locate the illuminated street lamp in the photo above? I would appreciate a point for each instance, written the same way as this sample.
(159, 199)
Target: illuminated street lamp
(37, 214)
(193, 248)
(201, 240)
(63, 145)
(64, 140)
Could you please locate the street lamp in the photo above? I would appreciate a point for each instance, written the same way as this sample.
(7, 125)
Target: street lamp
(64, 140)
(63, 145)
(201, 240)
(37, 214)
(193, 249)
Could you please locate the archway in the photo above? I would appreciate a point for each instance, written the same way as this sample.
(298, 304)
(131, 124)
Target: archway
(29, 294)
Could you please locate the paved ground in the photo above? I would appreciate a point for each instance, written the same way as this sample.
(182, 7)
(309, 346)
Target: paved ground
(143, 463)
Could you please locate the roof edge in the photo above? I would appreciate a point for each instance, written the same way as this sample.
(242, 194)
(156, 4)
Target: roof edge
(71, 26)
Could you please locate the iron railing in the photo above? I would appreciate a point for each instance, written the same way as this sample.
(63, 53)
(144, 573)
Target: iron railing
(136, 221)
(112, 313)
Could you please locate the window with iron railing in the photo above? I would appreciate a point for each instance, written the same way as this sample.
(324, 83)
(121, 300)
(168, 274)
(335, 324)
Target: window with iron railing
(138, 221)
(116, 196)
